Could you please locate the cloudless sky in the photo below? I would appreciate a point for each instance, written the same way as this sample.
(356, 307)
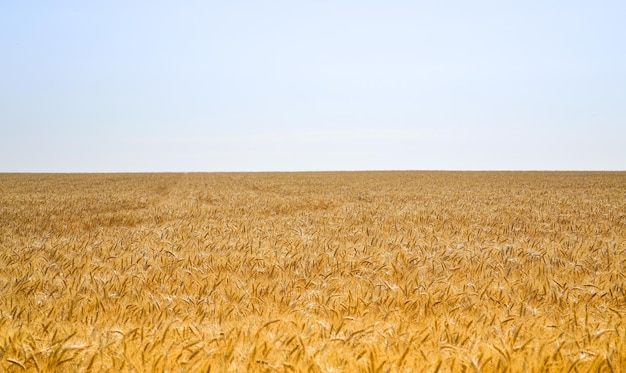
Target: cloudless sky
(106, 86)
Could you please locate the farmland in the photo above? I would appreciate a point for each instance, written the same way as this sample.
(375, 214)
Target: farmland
(328, 272)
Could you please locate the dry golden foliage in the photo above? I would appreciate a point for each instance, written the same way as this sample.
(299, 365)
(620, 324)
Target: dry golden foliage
(322, 272)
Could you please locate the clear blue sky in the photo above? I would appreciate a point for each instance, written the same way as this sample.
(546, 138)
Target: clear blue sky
(104, 86)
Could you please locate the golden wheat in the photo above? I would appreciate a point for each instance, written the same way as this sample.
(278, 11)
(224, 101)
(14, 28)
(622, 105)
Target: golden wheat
(322, 272)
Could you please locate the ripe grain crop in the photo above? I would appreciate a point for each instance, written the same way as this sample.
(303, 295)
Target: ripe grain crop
(322, 272)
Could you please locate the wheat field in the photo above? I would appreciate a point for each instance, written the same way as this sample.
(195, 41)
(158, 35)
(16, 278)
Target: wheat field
(320, 272)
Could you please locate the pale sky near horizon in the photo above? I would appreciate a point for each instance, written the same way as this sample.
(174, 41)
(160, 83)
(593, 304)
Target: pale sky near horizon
(145, 86)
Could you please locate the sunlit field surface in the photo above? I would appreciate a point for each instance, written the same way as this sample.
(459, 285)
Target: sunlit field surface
(328, 272)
